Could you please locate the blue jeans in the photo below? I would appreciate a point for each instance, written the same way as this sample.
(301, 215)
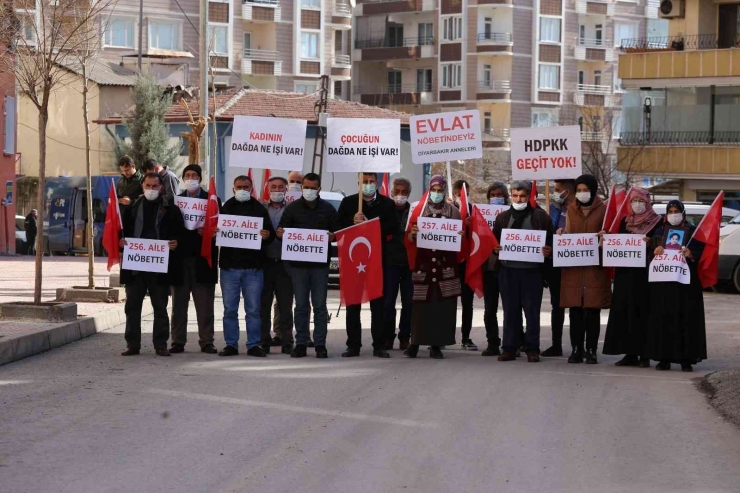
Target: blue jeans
(313, 282)
(236, 283)
(395, 279)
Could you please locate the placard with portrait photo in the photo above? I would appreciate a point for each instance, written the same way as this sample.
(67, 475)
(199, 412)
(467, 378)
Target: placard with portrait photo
(675, 237)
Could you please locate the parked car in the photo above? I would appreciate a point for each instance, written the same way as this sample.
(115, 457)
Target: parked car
(730, 227)
(20, 235)
(729, 259)
(695, 212)
(334, 198)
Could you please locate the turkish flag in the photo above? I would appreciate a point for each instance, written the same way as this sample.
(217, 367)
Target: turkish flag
(384, 190)
(533, 195)
(708, 233)
(360, 263)
(410, 245)
(209, 228)
(462, 255)
(249, 175)
(113, 227)
(266, 174)
(612, 207)
(481, 244)
(623, 210)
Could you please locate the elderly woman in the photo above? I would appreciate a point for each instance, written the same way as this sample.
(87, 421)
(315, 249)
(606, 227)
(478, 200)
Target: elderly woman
(628, 317)
(497, 194)
(676, 330)
(436, 280)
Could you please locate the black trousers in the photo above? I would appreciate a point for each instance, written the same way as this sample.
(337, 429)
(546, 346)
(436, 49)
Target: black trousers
(278, 284)
(136, 289)
(466, 299)
(557, 313)
(354, 326)
(585, 322)
(521, 289)
(491, 293)
(30, 244)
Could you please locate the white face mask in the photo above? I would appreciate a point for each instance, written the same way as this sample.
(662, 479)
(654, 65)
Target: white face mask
(674, 219)
(151, 194)
(638, 207)
(192, 185)
(294, 187)
(583, 197)
(436, 197)
(519, 206)
(277, 197)
(310, 195)
(400, 199)
(242, 195)
(557, 197)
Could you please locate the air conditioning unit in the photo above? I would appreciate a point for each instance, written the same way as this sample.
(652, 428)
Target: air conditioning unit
(671, 9)
(221, 81)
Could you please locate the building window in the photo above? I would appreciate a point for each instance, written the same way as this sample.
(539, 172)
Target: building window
(487, 75)
(599, 34)
(394, 81)
(451, 76)
(306, 87)
(309, 45)
(164, 35)
(426, 33)
(338, 41)
(217, 40)
(452, 28)
(28, 30)
(549, 77)
(549, 30)
(544, 117)
(487, 122)
(9, 113)
(338, 88)
(313, 4)
(624, 31)
(581, 77)
(120, 33)
(597, 77)
(423, 80)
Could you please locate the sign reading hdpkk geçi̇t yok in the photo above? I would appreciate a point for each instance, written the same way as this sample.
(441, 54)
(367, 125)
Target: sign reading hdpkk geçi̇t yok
(546, 153)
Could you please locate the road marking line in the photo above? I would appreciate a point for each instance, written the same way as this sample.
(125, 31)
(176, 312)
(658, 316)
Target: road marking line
(592, 374)
(297, 409)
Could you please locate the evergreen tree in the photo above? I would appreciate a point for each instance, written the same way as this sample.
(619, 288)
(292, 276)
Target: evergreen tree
(147, 128)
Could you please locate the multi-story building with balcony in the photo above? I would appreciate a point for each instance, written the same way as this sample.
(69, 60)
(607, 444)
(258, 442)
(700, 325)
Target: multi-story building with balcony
(681, 100)
(521, 62)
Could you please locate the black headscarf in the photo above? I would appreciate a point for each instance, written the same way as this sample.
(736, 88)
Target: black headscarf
(592, 184)
(678, 205)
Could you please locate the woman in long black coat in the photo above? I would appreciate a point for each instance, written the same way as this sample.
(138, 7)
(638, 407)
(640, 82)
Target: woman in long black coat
(676, 329)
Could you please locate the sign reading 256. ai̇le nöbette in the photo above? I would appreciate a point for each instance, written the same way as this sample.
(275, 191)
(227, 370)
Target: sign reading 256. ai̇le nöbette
(445, 136)
(363, 144)
(546, 153)
(262, 142)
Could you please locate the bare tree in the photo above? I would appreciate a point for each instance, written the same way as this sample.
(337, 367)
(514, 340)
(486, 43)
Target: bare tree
(40, 35)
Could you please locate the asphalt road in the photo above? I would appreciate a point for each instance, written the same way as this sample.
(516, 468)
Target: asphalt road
(84, 419)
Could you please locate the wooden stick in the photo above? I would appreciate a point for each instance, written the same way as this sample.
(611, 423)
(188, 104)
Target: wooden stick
(449, 179)
(359, 195)
(547, 196)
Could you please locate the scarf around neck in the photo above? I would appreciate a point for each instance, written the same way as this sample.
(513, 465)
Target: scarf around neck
(645, 222)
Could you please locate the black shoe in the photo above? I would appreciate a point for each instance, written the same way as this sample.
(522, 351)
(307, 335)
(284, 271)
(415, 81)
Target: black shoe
(229, 351)
(321, 352)
(411, 351)
(435, 353)
(628, 360)
(209, 349)
(664, 366)
(576, 356)
(381, 353)
(351, 352)
(552, 352)
(644, 362)
(299, 351)
(276, 342)
(310, 343)
(287, 349)
(131, 352)
(177, 349)
(266, 347)
(687, 367)
(257, 352)
(591, 357)
(162, 352)
(491, 351)
(469, 345)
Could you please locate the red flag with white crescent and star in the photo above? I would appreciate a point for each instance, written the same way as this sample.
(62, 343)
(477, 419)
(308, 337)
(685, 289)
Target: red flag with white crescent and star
(266, 175)
(209, 228)
(113, 228)
(360, 263)
(482, 242)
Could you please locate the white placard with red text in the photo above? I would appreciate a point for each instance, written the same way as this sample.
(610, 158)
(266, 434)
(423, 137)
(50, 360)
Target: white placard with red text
(490, 212)
(670, 267)
(266, 142)
(193, 211)
(305, 245)
(575, 250)
(363, 144)
(239, 232)
(439, 234)
(546, 153)
(522, 245)
(445, 136)
(625, 250)
(291, 197)
(146, 255)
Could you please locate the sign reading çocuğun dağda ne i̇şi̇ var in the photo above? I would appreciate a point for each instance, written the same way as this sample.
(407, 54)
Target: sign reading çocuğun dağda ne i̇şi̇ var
(354, 145)
(305, 245)
(445, 136)
(546, 153)
(264, 142)
(146, 255)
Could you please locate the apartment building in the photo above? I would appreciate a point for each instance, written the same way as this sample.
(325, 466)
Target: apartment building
(681, 100)
(521, 62)
(7, 154)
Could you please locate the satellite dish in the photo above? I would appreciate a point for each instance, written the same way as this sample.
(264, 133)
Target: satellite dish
(352, 3)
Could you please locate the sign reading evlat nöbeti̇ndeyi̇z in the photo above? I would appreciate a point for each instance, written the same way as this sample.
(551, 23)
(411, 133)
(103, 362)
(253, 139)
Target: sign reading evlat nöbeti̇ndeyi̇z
(445, 136)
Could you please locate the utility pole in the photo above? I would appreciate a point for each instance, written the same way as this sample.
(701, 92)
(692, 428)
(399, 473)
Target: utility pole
(320, 140)
(204, 59)
(141, 32)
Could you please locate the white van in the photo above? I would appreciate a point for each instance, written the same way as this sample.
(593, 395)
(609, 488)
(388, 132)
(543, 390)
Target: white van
(695, 212)
(729, 258)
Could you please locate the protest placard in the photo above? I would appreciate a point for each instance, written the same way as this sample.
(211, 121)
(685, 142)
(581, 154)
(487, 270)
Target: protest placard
(522, 245)
(624, 250)
(445, 136)
(363, 144)
(291, 197)
(491, 212)
(575, 250)
(193, 211)
(266, 142)
(439, 234)
(546, 153)
(239, 232)
(305, 245)
(670, 267)
(146, 255)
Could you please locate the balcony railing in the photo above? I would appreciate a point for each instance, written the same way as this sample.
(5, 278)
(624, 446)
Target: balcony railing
(673, 43)
(264, 2)
(363, 44)
(591, 43)
(591, 136)
(680, 138)
(494, 85)
(261, 55)
(495, 37)
(592, 89)
(341, 60)
(495, 134)
(393, 89)
(342, 8)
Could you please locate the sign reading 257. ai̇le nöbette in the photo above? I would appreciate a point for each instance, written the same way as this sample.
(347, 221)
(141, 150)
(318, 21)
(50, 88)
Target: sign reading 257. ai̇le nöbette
(445, 136)
(546, 153)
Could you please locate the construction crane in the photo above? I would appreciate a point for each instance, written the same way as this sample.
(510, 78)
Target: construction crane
(320, 140)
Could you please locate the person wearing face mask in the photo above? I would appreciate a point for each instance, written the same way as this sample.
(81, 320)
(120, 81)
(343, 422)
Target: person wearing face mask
(629, 314)
(397, 276)
(151, 217)
(585, 290)
(436, 280)
(676, 328)
(310, 279)
(198, 278)
(171, 185)
(497, 194)
(295, 178)
(374, 205)
(468, 296)
(242, 273)
(277, 283)
(522, 282)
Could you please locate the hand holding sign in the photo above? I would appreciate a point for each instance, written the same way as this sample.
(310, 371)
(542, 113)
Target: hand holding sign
(305, 245)
(145, 255)
(239, 232)
(439, 234)
(523, 245)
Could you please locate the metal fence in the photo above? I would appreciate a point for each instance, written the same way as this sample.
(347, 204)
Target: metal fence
(680, 138)
(675, 43)
(389, 42)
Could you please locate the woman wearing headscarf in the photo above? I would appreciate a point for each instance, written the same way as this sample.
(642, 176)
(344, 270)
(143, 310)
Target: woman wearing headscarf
(676, 332)
(436, 280)
(585, 290)
(497, 194)
(628, 317)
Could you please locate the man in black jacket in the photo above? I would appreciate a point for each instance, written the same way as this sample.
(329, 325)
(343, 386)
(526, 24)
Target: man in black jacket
(198, 278)
(241, 273)
(128, 188)
(29, 225)
(374, 206)
(153, 218)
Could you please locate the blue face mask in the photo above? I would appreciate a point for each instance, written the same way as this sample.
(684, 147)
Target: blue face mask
(437, 197)
(368, 189)
(497, 201)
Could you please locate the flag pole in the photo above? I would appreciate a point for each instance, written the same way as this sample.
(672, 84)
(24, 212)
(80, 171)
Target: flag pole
(359, 193)
(449, 179)
(547, 196)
